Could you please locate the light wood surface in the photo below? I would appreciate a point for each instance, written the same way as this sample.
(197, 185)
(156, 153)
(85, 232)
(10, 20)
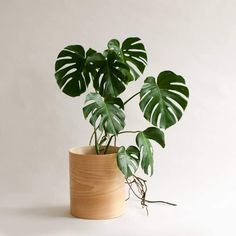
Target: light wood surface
(97, 188)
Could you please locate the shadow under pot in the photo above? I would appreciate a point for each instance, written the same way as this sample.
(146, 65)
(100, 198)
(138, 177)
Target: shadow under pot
(97, 186)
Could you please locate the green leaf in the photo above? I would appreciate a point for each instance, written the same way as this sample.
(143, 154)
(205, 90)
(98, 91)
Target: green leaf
(114, 44)
(105, 113)
(155, 134)
(132, 52)
(145, 147)
(164, 100)
(128, 160)
(146, 152)
(110, 78)
(71, 74)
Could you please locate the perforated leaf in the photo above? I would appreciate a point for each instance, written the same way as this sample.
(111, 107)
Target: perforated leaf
(128, 160)
(110, 78)
(105, 113)
(132, 52)
(72, 75)
(145, 147)
(163, 100)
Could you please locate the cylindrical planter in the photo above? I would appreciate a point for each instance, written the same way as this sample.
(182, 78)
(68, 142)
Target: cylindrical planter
(97, 186)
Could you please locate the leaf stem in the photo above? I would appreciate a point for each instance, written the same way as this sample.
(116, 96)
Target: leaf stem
(91, 138)
(131, 97)
(108, 143)
(100, 136)
(129, 131)
(115, 135)
(96, 141)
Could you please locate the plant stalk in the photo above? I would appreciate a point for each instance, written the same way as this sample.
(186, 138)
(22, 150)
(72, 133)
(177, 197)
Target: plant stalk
(96, 141)
(115, 135)
(131, 97)
(91, 138)
(108, 143)
(129, 132)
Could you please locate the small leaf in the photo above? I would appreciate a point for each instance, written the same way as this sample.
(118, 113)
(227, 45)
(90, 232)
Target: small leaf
(145, 147)
(128, 160)
(155, 134)
(146, 152)
(114, 44)
(105, 113)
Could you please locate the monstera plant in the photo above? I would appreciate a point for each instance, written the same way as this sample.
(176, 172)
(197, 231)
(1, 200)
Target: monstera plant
(163, 98)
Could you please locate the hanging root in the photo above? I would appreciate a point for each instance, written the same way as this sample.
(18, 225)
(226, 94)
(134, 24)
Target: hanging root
(142, 191)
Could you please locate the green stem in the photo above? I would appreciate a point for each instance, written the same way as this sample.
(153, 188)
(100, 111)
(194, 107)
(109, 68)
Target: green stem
(91, 138)
(114, 135)
(108, 144)
(96, 142)
(100, 136)
(129, 132)
(131, 97)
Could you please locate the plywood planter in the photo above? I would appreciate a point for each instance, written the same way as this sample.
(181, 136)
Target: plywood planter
(97, 186)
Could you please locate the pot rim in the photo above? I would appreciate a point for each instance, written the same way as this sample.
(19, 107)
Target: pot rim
(84, 151)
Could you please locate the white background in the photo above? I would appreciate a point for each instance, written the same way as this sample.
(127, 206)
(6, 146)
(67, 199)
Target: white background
(196, 170)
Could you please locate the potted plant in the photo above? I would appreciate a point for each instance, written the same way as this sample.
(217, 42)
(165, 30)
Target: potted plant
(98, 172)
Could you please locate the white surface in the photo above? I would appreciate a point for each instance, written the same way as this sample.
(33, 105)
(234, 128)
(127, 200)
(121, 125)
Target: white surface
(39, 124)
(54, 219)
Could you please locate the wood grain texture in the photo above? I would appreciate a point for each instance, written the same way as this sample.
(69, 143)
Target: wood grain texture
(97, 188)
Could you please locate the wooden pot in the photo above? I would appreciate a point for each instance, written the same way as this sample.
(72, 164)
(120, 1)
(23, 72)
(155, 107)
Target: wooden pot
(97, 186)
